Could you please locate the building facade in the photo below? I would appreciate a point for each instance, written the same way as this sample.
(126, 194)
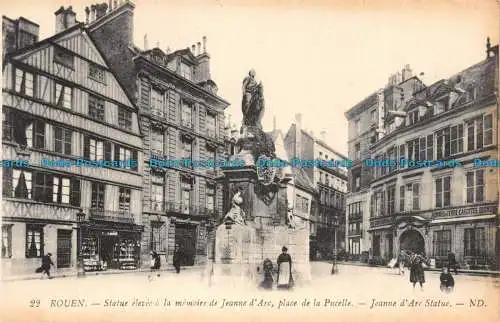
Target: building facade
(365, 127)
(70, 142)
(182, 120)
(444, 198)
(327, 214)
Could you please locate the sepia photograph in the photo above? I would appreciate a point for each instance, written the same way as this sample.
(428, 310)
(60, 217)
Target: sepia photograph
(170, 160)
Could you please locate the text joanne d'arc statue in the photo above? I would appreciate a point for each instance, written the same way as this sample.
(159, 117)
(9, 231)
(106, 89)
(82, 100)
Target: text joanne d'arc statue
(252, 105)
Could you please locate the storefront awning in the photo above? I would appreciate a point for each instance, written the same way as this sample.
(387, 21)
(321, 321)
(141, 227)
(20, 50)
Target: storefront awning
(457, 219)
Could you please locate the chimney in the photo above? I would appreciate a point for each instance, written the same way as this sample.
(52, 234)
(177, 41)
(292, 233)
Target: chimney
(110, 6)
(204, 63)
(145, 41)
(101, 8)
(323, 135)
(11, 30)
(298, 135)
(199, 48)
(168, 50)
(92, 12)
(274, 122)
(407, 73)
(65, 18)
(193, 49)
(87, 14)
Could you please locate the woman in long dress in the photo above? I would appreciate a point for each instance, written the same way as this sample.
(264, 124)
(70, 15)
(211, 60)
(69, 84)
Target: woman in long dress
(417, 274)
(285, 280)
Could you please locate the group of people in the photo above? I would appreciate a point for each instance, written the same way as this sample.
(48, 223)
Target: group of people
(156, 261)
(417, 262)
(284, 272)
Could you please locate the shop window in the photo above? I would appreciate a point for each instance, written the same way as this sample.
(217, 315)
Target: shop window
(442, 243)
(124, 200)
(34, 241)
(474, 242)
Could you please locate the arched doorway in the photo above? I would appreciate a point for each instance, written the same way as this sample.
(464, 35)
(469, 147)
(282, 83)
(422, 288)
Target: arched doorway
(412, 240)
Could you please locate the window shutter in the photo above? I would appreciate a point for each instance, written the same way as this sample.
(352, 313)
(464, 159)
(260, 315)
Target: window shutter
(75, 192)
(117, 153)
(86, 147)
(7, 182)
(135, 157)
(107, 151)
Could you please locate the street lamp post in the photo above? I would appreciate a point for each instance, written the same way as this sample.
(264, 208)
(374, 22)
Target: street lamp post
(80, 217)
(334, 267)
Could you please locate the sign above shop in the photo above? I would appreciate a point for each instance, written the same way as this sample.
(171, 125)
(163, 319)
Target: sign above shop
(466, 211)
(110, 233)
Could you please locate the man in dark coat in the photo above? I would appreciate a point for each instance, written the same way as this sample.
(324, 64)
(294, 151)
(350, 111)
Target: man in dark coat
(285, 280)
(452, 263)
(46, 263)
(417, 274)
(447, 281)
(177, 258)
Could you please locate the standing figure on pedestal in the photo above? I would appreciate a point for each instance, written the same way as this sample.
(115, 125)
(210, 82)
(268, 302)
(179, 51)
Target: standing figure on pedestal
(252, 105)
(285, 280)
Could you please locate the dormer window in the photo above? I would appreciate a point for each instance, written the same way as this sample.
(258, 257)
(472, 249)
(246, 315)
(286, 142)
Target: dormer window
(186, 71)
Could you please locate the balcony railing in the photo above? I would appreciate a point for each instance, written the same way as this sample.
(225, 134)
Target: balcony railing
(180, 208)
(111, 216)
(356, 216)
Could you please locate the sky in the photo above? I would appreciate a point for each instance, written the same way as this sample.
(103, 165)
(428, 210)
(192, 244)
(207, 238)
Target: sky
(317, 57)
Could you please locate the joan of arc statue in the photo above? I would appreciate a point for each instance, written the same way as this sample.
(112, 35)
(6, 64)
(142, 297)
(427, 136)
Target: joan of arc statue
(252, 105)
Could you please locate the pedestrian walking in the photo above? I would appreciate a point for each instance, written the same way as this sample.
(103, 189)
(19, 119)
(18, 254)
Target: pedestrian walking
(402, 262)
(447, 281)
(155, 264)
(452, 263)
(177, 258)
(417, 274)
(285, 279)
(46, 263)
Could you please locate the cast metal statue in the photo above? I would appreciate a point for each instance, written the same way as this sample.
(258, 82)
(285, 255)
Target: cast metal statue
(252, 105)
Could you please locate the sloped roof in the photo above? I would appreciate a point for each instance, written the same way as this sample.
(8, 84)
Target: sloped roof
(301, 180)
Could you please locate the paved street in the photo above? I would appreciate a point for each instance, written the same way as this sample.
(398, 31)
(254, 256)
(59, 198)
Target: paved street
(356, 284)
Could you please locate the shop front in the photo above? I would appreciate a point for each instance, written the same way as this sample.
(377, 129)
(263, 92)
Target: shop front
(111, 247)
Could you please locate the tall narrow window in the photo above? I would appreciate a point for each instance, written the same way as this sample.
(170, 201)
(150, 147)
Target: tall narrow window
(470, 136)
(157, 142)
(96, 108)
(34, 241)
(97, 197)
(186, 114)
(35, 134)
(488, 130)
(475, 186)
(210, 195)
(6, 241)
(63, 96)
(391, 200)
(96, 149)
(416, 196)
(61, 190)
(124, 118)
(21, 184)
(157, 102)
(430, 146)
(62, 140)
(157, 197)
(186, 188)
(186, 71)
(7, 124)
(443, 193)
(124, 200)
(210, 122)
(402, 198)
(24, 83)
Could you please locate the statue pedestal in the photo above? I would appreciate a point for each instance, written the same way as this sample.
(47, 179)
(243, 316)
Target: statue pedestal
(240, 250)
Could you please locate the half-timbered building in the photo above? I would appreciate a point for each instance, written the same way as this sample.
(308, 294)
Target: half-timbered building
(71, 134)
(182, 118)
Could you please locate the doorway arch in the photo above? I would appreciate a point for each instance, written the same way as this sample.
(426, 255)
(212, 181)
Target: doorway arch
(412, 240)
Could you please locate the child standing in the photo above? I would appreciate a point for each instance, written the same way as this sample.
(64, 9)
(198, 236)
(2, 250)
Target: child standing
(447, 281)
